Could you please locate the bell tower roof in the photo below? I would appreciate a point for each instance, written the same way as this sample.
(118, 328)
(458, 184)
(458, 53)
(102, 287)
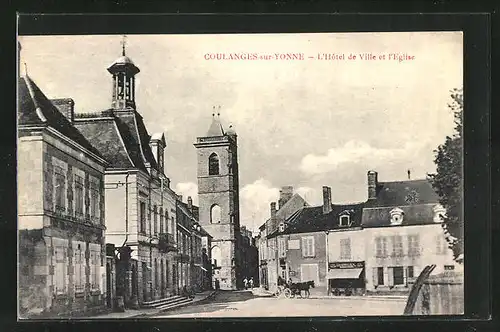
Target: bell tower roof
(124, 63)
(216, 127)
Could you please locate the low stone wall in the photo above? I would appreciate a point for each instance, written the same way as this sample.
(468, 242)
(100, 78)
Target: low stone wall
(441, 294)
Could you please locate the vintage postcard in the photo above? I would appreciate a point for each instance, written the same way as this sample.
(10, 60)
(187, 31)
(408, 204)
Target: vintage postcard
(240, 175)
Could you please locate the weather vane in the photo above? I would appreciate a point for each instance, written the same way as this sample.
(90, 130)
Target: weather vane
(123, 42)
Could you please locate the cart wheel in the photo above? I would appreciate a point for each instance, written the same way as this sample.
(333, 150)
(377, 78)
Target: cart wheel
(288, 293)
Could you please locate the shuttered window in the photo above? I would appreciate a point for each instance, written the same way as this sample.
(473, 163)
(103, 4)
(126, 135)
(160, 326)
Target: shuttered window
(79, 266)
(308, 246)
(345, 248)
(60, 269)
(309, 272)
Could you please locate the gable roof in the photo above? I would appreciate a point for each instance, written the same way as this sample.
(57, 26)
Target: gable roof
(291, 206)
(399, 193)
(35, 109)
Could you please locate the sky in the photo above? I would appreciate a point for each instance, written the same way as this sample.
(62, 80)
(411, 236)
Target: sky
(304, 123)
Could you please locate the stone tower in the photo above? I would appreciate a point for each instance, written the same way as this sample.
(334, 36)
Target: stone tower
(218, 195)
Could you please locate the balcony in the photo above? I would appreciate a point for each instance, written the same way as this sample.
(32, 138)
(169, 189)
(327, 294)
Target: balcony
(166, 242)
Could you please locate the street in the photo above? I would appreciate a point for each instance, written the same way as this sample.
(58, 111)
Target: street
(245, 304)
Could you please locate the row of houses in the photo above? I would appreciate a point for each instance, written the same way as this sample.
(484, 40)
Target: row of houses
(99, 225)
(376, 246)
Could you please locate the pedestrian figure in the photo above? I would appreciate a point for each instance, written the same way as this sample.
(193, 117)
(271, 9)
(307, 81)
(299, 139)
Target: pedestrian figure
(245, 282)
(251, 282)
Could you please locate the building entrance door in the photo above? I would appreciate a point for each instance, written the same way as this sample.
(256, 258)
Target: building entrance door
(162, 279)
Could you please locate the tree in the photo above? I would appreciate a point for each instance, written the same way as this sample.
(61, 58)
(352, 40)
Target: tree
(448, 179)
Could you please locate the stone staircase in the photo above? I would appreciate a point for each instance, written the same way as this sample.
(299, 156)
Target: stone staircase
(166, 303)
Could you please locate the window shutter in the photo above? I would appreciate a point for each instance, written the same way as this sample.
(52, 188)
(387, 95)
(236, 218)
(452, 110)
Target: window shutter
(375, 276)
(390, 274)
(304, 247)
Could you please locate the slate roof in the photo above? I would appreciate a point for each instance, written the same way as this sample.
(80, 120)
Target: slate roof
(215, 128)
(399, 193)
(122, 138)
(419, 214)
(35, 109)
(312, 219)
(416, 198)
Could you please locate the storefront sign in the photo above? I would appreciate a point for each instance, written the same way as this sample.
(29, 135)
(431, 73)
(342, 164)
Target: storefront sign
(346, 265)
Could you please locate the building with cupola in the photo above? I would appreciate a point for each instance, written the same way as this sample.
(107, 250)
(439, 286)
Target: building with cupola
(140, 205)
(218, 196)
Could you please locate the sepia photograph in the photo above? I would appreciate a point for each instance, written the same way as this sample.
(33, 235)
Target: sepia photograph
(240, 175)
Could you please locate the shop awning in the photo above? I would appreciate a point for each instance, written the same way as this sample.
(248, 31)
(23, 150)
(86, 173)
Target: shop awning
(201, 267)
(344, 273)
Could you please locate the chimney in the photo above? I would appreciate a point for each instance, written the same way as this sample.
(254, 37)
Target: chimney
(66, 106)
(273, 210)
(327, 200)
(190, 203)
(286, 194)
(372, 184)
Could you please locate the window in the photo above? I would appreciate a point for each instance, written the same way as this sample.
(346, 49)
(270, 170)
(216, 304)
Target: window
(449, 267)
(282, 247)
(60, 269)
(396, 216)
(398, 275)
(94, 199)
(78, 195)
(345, 248)
(95, 266)
(397, 246)
(60, 189)
(344, 220)
(309, 272)
(79, 266)
(381, 247)
(142, 216)
(161, 221)
(215, 214)
(155, 220)
(213, 164)
(156, 274)
(378, 276)
(441, 245)
(413, 245)
(410, 272)
(308, 246)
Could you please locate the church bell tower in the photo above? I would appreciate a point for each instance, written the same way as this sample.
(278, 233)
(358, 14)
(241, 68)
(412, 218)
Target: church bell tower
(218, 195)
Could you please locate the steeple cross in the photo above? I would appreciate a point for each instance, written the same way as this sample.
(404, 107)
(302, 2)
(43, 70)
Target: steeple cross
(123, 43)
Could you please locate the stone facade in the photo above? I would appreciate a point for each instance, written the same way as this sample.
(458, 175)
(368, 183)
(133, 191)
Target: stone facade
(218, 195)
(62, 254)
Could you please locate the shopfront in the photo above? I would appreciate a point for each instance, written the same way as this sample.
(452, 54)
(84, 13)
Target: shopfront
(346, 278)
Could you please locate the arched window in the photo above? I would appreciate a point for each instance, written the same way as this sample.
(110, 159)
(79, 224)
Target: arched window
(213, 164)
(216, 256)
(215, 214)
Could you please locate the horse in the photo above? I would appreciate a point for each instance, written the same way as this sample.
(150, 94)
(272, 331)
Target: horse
(297, 288)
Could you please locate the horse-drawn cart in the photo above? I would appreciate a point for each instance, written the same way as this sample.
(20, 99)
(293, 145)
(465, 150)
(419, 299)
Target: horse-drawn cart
(292, 289)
